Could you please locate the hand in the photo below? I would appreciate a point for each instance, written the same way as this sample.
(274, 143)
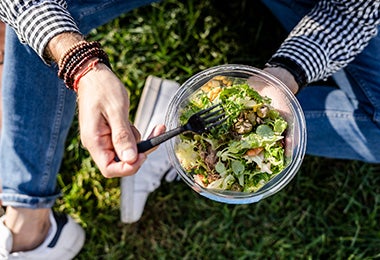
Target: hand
(285, 76)
(279, 100)
(105, 128)
(103, 104)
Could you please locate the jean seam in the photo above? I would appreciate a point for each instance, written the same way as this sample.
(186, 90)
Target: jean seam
(54, 136)
(95, 9)
(336, 114)
(367, 92)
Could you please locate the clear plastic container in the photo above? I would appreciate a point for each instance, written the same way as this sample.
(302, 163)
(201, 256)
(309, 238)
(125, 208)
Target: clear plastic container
(282, 100)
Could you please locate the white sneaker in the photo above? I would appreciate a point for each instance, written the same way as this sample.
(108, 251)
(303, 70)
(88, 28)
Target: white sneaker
(63, 242)
(151, 111)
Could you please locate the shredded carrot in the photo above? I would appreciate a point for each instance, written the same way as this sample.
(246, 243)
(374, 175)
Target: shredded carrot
(254, 151)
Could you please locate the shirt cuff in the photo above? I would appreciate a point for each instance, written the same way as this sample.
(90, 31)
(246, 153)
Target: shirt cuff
(293, 67)
(39, 24)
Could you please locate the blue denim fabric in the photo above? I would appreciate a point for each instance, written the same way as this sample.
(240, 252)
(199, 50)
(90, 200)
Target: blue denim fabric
(341, 122)
(38, 112)
(38, 109)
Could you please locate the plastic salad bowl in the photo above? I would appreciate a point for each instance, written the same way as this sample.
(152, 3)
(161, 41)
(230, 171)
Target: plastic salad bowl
(281, 99)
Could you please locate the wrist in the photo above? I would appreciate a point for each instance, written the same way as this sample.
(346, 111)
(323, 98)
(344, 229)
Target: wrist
(286, 66)
(60, 44)
(75, 60)
(87, 67)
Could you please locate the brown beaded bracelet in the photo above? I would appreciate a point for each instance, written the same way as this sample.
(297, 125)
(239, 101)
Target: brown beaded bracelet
(75, 53)
(80, 46)
(77, 62)
(73, 59)
(66, 54)
(69, 80)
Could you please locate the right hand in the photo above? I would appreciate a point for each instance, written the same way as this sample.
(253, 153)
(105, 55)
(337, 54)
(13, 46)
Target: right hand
(105, 128)
(103, 104)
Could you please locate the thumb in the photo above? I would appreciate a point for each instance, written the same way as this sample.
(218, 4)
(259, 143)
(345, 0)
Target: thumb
(124, 142)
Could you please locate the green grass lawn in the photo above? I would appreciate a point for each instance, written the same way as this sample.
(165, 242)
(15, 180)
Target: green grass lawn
(330, 210)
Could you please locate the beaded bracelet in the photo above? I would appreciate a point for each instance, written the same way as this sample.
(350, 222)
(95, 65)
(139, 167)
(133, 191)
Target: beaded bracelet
(89, 67)
(66, 54)
(78, 62)
(73, 59)
(75, 54)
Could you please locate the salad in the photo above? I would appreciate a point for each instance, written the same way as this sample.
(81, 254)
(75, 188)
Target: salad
(244, 152)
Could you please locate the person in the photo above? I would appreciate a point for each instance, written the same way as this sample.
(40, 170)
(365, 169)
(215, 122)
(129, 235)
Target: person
(330, 60)
(327, 38)
(43, 39)
(338, 39)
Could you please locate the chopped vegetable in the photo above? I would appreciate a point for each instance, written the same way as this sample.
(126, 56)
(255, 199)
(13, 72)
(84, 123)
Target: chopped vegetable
(243, 153)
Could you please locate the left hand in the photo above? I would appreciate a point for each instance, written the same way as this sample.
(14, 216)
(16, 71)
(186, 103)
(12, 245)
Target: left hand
(285, 76)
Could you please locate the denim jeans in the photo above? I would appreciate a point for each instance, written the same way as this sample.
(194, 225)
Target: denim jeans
(342, 122)
(38, 112)
(38, 109)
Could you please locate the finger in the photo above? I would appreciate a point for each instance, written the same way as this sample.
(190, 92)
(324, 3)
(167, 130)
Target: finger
(103, 153)
(278, 99)
(121, 169)
(136, 133)
(124, 142)
(157, 130)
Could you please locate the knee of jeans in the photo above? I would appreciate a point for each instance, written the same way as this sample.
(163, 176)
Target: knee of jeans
(289, 12)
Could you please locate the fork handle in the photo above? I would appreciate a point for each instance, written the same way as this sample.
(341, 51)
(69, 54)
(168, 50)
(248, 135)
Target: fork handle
(148, 144)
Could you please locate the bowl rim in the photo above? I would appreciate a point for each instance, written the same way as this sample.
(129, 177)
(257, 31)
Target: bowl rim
(281, 179)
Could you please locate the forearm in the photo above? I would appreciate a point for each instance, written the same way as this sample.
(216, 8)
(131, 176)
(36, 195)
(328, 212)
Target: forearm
(36, 22)
(59, 45)
(328, 38)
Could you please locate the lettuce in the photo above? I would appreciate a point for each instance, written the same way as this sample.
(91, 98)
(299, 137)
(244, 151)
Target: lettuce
(226, 158)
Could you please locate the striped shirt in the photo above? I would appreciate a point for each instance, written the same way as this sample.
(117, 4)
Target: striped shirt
(324, 41)
(330, 37)
(36, 22)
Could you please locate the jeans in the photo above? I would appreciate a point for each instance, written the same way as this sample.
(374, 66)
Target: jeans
(38, 112)
(38, 109)
(342, 122)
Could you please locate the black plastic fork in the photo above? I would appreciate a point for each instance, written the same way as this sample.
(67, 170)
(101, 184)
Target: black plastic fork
(199, 123)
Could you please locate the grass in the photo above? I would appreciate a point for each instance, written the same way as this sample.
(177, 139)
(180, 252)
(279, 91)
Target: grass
(330, 210)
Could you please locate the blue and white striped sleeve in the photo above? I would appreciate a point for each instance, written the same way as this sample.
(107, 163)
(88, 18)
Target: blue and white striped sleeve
(329, 37)
(36, 22)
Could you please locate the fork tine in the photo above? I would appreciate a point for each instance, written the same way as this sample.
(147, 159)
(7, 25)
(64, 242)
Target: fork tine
(216, 123)
(206, 119)
(210, 119)
(207, 110)
(214, 119)
(210, 114)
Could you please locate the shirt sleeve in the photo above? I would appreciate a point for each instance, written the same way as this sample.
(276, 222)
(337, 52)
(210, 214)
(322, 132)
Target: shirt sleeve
(329, 37)
(36, 22)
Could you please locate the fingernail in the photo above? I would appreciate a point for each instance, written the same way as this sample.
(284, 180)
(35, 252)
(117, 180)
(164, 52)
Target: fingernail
(128, 155)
